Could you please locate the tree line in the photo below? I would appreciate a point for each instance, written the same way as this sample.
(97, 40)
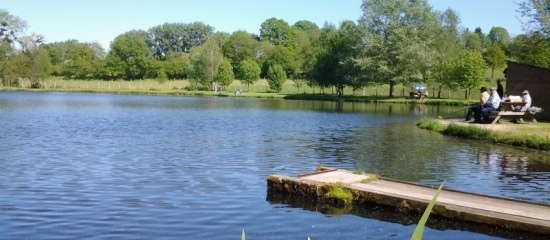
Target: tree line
(393, 42)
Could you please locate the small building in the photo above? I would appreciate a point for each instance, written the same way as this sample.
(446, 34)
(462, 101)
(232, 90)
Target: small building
(536, 80)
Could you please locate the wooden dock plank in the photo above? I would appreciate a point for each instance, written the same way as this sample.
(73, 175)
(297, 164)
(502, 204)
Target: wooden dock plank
(466, 206)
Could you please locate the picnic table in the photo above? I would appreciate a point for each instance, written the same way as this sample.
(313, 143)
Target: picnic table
(508, 111)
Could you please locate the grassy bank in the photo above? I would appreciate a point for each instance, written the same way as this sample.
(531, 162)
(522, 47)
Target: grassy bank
(529, 135)
(259, 89)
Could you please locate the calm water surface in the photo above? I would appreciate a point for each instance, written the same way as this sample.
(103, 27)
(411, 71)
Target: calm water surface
(80, 166)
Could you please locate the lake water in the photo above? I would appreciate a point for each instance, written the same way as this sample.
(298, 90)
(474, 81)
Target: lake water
(85, 166)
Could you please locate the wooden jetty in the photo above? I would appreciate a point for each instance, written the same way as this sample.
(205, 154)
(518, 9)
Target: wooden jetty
(369, 189)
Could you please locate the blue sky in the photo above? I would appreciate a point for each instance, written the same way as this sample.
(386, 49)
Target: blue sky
(103, 20)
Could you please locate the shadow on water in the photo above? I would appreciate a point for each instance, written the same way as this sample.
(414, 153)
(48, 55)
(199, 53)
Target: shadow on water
(405, 218)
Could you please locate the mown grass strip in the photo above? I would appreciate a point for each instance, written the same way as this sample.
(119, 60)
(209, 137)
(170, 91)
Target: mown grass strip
(475, 133)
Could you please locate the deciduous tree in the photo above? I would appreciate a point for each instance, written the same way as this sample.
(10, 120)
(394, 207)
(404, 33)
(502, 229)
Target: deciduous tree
(494, 57)
(537, 13)
(399, 40)
(248, 72)
(128, 57)
(225, 73)
(469, 70)
(531, 49)
(239, 46)
(206, 60)
(276, 76)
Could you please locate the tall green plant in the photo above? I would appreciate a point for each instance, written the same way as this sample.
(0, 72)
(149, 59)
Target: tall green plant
(417, 235)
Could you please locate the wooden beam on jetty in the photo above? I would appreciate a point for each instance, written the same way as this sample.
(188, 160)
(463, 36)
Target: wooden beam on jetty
(456, 205)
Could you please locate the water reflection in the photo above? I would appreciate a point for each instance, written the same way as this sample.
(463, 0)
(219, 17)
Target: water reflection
(393, 215)
(110, 166)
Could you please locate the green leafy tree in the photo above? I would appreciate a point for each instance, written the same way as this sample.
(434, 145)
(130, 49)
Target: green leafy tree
(276, 76)
(399, 37)
(176, 37)
(308, 35)
(248, 72)
(447, 45)
(277, 32)
(335, 61)
(80, 60)
(175, 65)
(484, 38)
(14, 68)
(473, 41)
(499, 36)
(128, 57)
(239, 46)
(531, 49)
(537, 13)
(306, 26)
(285, 58)
(263, 53)
(206, 61)
(494, 57)
(225, 73)
(469, 71)
(11, 27)
(33, 64)
(155, 70)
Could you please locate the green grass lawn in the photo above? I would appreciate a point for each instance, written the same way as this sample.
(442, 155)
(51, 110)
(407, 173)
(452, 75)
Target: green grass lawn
(259, 89)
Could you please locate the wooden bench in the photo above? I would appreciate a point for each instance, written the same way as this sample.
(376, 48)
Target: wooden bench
(498, 114)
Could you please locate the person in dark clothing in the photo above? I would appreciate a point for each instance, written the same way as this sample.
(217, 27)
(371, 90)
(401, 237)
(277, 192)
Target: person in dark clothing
(500, 89)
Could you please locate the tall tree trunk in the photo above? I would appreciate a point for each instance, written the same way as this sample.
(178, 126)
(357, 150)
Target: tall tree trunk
(392, 86)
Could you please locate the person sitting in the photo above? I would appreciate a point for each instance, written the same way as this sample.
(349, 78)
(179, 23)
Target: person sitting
(525, 98)
(492, 104)
(474, 109)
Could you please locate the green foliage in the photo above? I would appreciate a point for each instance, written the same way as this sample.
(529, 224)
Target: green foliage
(283, 57)
(33, 64)
(206, 60)
(176, 38)
(419, 230)
(370, 178)
(11, 27)
(431, 124)
(306, 26)
(469, 70)
(400, 48)
(538, 14)
(128, 57)
(175, 65)
(225, 73)
(531, 49)
(473, 132)
(338, 191)
(277, 32)
(239, 46)
(248, 71)
(335, 65)
(14, 68)
(473, 41)
(494, 57)
(276, 77)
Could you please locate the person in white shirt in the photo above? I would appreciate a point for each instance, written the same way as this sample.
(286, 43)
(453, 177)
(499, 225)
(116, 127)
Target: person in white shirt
(492, 105)
(526, 98)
